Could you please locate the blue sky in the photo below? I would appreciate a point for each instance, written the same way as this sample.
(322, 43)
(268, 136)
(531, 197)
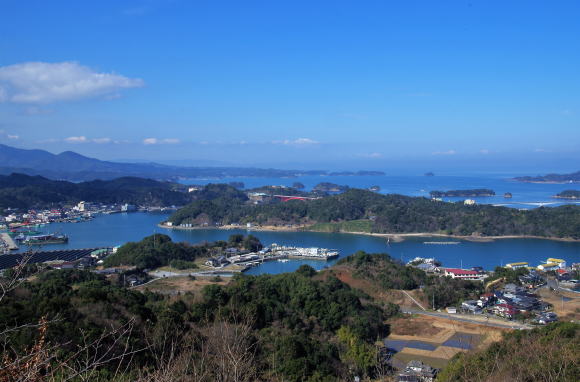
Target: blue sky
(338, 84)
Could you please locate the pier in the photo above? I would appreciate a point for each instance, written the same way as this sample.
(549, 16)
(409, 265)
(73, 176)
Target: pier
(10, 244)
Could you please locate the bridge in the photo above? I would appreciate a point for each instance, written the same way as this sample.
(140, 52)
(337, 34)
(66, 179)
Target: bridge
(286, 198)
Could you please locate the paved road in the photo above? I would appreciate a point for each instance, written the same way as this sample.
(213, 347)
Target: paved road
(510, 325)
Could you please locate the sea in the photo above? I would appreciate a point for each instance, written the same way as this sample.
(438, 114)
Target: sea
(117, 229)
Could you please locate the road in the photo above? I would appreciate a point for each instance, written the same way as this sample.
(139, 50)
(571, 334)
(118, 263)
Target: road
(462, 318)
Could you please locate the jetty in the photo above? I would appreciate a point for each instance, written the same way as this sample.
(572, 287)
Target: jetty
(8, 241)
(441, 242)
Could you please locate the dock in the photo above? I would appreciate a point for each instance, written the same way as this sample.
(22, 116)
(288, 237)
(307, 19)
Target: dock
(9, 241)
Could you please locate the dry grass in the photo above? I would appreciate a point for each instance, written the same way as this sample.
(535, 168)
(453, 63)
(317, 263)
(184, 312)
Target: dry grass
(566, 310)
(179, 285)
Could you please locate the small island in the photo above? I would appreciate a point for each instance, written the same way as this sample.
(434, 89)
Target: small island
(551, 178)
(357, 173)
(568, 194)
(429, 174)
(508, 195)
(462, 193)
(326, 187)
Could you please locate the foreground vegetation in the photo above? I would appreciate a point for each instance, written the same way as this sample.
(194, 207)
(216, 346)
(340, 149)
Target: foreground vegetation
(547, 354)
(288, 327)
(383, 214)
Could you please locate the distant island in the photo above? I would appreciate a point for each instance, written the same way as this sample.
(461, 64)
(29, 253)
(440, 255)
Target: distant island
(462, 193)
(429, 174)
(551, 178)
(568, 194)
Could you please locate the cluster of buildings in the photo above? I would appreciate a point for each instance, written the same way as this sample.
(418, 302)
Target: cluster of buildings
(81, 212)
(274, 252)
(509, 302)
(551, 264)
(417, 371)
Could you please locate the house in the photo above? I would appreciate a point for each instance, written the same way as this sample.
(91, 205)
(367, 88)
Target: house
(548, 266)
(521, 264)
(217, 261)
(471, 306)
(417, 371)
(469, 202)
(451, 310)
(561, 263)
(505, 310)
(546, 318)
(463, 274)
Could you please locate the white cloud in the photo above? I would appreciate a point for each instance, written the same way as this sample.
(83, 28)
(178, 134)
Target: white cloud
(9, 136)
(448, 152)
(156, 141)
(43, 82)
(541, 151)
(297, 142)
(79, 139)
(484, 151)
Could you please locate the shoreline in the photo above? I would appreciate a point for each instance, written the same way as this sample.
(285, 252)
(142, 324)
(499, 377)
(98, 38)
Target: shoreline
(395, 237)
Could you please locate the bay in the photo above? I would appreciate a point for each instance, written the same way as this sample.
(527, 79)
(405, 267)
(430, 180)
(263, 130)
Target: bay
(117, 229)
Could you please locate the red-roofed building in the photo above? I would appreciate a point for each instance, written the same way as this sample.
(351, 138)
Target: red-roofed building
(562, 271)
(463, 274)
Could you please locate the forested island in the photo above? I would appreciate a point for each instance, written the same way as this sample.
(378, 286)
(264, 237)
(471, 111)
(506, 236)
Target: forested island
(551, 178)
(463, 193)
(364, 211)
(568, 194)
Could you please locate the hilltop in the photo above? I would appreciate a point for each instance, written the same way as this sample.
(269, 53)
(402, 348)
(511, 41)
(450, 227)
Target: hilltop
(26, 192)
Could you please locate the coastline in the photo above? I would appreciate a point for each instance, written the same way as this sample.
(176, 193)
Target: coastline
(395, 237)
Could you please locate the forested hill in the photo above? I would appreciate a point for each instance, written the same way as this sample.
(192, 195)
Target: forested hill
(361, 210)
(26, 192)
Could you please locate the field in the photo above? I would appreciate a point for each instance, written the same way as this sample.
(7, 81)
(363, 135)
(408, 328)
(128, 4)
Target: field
(174, 286)
(435, 340)
(347, 226)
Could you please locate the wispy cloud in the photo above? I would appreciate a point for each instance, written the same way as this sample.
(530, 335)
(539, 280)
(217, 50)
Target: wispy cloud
(79, 139)
(297, 142)
(484, 151)
(448, 152)
(102, 140)
(157, 141)
(43, 82)
(9, 136)
(541, 151)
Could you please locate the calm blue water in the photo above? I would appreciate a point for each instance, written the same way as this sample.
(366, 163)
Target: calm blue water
(116, 229)
(525, 195)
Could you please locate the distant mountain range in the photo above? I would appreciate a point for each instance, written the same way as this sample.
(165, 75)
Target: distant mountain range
(72, 166)
(551, 178)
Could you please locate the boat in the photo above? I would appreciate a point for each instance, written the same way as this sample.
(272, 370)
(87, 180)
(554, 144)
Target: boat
(45, 239)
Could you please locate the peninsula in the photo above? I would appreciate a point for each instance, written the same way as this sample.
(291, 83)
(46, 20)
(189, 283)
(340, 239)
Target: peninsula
(551, 178)
(363, 211)
(568, 194)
